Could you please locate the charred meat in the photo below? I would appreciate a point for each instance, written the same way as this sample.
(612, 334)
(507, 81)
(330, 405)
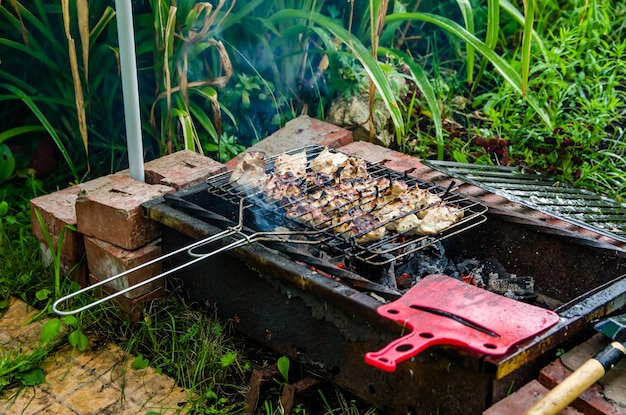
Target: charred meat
(335, 191)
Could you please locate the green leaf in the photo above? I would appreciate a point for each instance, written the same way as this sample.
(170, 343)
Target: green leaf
(428, 92)
(370, 65)
(50, 330)
(31, 377)
(468, 19)
(459, 157)
(517, 15)
(43, 294)
(209, 394)
(16, 131)
(283, 364)
(139, 363)
(4, 208)
(46, 124)
(78, 340)
(228, 359)
(71, 321)
(529, 17)
(7, 162)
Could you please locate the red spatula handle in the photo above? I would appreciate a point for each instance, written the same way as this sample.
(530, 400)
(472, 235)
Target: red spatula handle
(397, 351)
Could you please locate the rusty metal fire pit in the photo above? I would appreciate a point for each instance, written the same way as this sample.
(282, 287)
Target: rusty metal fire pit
(329, 325)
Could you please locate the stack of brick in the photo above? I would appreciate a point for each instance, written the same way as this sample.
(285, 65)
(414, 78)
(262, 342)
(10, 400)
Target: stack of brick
(106, 232)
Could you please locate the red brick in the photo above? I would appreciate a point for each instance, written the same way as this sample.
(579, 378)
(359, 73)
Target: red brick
(113, 212)
(57, 211)
(522, 400)
(592, 401)
(499, 201)
(106, 260)
(473, 191)
(77, 270)
(372, 152)
(133, 307)
(181, 169)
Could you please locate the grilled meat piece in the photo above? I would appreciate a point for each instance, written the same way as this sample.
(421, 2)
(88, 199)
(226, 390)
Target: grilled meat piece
(357, 223)
(291, 165)
(439, 218)
(327, 162)
(352, 168)
(250, 171)
(407, 223)
(333, 201)
(278, 187)
(419, 198)
(306, 213)
(395, 209)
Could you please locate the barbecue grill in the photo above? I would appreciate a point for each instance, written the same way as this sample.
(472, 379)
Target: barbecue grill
(288, 293)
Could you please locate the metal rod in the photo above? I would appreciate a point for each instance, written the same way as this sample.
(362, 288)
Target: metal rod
(220, 235)
(130, 90)
(245, 240)
(55, 306)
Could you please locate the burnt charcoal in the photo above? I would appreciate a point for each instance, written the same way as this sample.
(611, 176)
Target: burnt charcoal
(493, 266)
(388, 276)
(468, 266)
(509, 285)
(472, 271)
(431, 260)
(382, 274)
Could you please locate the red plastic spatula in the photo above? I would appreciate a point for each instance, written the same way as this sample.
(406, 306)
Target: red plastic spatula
(443, 310)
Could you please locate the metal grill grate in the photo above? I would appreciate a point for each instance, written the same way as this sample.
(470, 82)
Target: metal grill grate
(393, 246)
(577, 206)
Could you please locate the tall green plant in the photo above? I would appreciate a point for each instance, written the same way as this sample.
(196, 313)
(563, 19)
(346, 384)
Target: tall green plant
(363, 54)
(45, 81)
(506, 70)
(186, 55)
(279, 66)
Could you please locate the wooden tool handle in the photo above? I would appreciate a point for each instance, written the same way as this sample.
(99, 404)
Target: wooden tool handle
(578, 382)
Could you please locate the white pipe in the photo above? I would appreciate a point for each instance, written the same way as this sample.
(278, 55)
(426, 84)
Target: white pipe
(130, 91)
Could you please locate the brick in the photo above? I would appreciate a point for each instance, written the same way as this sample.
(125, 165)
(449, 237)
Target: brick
(182, 169)
(57, 212)
(522, 400)
(372, 152)
(300, 132)
(106, 260)
(593, 401)
(113, 213)
(130, 307)
(76, 270)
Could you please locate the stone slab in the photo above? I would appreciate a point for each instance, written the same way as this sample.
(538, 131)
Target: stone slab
(87, 382)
